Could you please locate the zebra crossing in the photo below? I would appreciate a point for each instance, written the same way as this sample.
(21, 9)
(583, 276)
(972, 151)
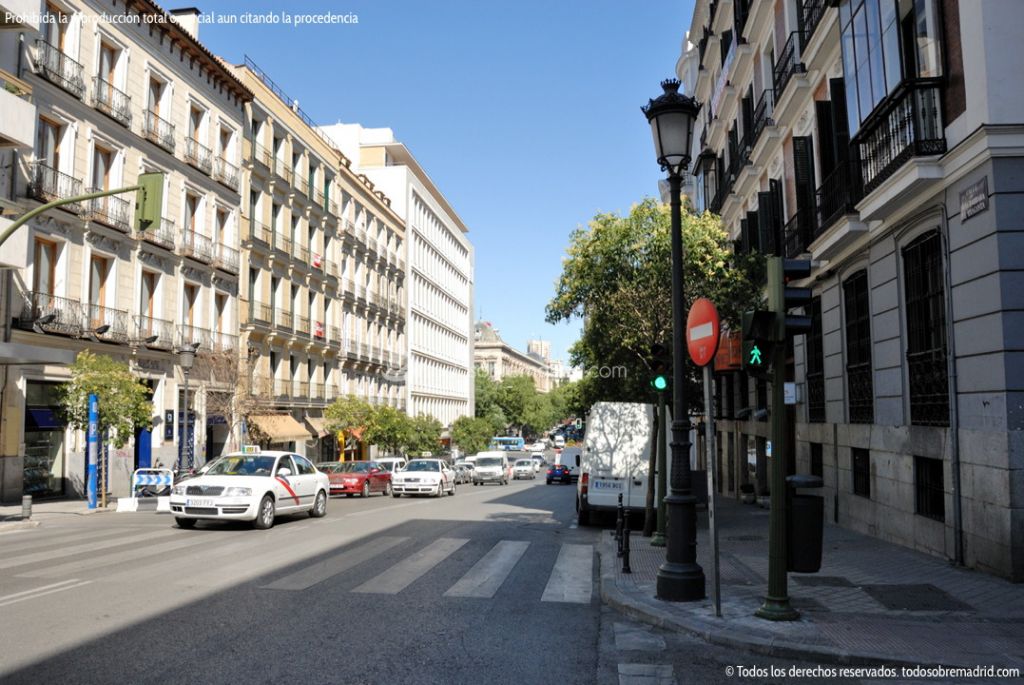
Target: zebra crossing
(63, 562)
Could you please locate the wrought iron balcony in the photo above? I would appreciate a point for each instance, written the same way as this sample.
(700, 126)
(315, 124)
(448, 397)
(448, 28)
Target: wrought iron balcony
(260, 312)
(300, 390)
(301, 254)
(226, 258)
(715, 205)
(763, 111)
(114, 103)
(787, 64)
(334, 336)
(224, 342)
(47, 184)
(906, 125)
(837, 196)
(301, 184)
(59, 69)
(197, 246)
(261, 155)
(159, 131)
(192, 335)
(929, 388)
(316, 391)
(816, 397)
(282, 388)
(162, 234)
(811, 13)
(111, 210)
(198, 155)
(282, 244)
(51, 314)
(107, 324)
(858, 379)
(302, 326)
(282, 170)
(147, 327)
(261, 233)
(799, 232)
(225, 173)
(283, 318)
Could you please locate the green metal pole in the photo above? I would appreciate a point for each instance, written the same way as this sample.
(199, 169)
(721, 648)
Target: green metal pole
(32, 213)
(776, 605)
(659, 535)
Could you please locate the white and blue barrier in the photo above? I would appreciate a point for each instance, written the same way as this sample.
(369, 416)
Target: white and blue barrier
(150, 477)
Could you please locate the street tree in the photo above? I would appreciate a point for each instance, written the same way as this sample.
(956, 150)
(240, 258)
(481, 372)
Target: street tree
(387, 428)
(486, 393)
(348, 415)
(514, 396)
(124, 402)
(424, 434)
(472, 433)
(234, 390)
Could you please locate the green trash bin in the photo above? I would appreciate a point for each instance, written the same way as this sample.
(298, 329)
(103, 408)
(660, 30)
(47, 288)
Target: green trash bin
(805, 527)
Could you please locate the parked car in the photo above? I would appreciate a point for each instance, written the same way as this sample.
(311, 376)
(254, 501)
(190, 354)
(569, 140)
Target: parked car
(538, 461)
(491, 467)
(523, 468)
(559, 473)
(357, 478)
(252, 485)
(424, 477)
(392, 464)
(463, 472)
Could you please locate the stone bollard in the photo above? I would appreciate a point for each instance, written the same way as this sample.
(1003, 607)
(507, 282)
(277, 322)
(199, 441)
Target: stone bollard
(26, 507)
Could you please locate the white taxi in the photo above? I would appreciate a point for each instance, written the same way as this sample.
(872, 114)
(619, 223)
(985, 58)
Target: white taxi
(424, 477)
(251, 485)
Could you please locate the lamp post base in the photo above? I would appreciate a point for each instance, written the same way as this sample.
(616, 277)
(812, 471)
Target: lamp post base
(777, 609)
(680, 582)
(658, 540)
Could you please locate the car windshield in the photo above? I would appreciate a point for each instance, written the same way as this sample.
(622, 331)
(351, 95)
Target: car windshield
(524, 462)
(422, 466)
(328, 466)
(488, 461)
(354, 467)
(242, 466)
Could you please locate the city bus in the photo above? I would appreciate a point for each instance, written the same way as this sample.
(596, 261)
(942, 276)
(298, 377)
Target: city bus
(509, 444)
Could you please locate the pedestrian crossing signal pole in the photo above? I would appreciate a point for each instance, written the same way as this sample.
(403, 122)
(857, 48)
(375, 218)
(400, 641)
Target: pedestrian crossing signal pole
(781, 298)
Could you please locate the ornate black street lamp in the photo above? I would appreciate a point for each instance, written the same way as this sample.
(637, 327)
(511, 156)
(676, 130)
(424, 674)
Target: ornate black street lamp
(186, 358)
(680, 578)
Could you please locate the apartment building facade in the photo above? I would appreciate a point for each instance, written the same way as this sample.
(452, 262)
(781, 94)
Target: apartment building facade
(439, 273)
(880, 139)
(324, 298)
(499, 359)
(112, 101)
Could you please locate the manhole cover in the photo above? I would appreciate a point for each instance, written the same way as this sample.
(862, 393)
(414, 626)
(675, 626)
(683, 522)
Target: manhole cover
(745, 538)
(823, 581)
(925, 597)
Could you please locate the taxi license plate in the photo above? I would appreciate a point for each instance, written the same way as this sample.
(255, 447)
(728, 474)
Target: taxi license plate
(199, 502)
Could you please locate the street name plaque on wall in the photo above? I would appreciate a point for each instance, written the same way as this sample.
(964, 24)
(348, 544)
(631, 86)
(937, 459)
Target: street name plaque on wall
(974, 199)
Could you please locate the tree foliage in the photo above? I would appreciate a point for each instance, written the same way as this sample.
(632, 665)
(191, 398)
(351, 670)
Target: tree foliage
(387, 428)
(347, 415)
(618, 278)
(472, 433)
(424, 434)
(124, 403)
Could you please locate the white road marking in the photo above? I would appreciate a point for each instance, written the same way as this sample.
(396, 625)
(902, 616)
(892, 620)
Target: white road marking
(82, 548)
(141, 552)
(407, 571)
(42, 591)
(572, 577)
(488, 574)
(322, 570)
(40, 541)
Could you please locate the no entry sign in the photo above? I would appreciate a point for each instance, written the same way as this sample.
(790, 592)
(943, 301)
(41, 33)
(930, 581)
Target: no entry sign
(702, 331)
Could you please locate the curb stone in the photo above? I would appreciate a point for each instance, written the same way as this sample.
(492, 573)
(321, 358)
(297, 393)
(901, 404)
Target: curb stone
(17, 525)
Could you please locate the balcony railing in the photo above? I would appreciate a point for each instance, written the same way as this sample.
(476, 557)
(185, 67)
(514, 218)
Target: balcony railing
(799, 233)
(51, 314)
(858, 378)
(282, 388)
(198, 155)
(811, 13)
(110, 325)
(763, 114)
(787, 64)
(300, 390)
(816, 397)
(225, 173)
(162, 234)
(192, 335)
(159, 131)
(282, 170)
(224, 342)
(283, 318)
(226, 258)
(334, 335)
(316, 391)
(59, 69)
(111, 210)
(260, 312)
(302, 326)
(301, 254)
(301, 184)
(114, 103)
(715, 205)
(261, 233)
(929, 388)
(48, 184)
(261, 155)
(197, 246)
(838, 195)
(155, 333)
(907, 125)
(282, 244)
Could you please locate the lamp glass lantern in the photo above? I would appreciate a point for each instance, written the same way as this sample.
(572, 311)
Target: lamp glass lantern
(671, 116)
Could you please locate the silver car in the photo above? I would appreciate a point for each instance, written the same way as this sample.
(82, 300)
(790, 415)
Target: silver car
(524, 468)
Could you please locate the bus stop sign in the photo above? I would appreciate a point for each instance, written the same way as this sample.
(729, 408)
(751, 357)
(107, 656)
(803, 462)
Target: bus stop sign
(702, 331)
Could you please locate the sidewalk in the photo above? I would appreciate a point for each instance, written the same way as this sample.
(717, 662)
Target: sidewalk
(872, 603)
(52, 510)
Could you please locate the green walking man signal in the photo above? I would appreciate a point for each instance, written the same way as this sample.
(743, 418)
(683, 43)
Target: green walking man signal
(755, 355)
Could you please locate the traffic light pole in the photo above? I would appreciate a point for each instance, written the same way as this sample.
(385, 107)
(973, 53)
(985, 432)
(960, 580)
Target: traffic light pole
(680, 577)
(776, 605)
(659, 535)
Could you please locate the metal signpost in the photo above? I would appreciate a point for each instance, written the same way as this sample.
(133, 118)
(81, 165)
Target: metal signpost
(702, 336)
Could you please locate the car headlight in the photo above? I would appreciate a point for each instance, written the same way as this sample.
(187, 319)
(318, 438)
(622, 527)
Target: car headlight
(237, 492)
(178, 490)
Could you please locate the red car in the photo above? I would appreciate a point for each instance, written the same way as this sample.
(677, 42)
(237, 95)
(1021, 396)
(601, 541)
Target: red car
(357, 477)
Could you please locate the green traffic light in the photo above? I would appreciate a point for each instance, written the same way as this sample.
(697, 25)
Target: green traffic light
(755, 355)
(660, 383)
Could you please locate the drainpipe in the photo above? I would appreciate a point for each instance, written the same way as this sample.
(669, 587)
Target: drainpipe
(954, 410)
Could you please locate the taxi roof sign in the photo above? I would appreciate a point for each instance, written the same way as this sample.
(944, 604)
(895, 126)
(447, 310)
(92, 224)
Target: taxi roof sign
(250, 449)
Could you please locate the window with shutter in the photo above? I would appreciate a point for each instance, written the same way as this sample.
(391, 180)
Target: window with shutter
(803, 170)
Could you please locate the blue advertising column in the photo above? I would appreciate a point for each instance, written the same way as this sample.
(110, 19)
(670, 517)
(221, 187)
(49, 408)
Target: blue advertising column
(92, 449)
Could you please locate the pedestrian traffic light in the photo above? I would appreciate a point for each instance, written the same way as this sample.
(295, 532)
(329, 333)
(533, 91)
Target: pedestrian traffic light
(660, 363)
(149, 200)
(783, 297)
(758, 341)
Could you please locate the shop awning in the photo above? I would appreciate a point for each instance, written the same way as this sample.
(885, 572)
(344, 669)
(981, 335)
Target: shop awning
(318, 426)
(280, 427)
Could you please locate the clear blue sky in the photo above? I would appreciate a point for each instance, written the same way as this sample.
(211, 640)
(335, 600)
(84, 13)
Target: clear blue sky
(525, 113)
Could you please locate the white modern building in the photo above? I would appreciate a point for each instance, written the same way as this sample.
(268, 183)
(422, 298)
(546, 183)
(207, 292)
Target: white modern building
(439, 273)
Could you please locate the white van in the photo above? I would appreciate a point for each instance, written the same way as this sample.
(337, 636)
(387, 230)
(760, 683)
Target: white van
(570, 457)
(491, 467)
(615, 459)
(392, 464)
